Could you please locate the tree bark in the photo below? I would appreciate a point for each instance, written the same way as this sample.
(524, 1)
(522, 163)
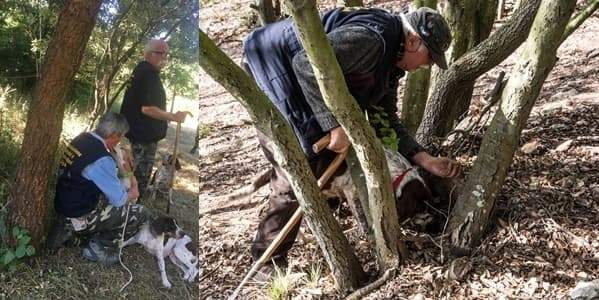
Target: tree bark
(470, 22)
(470, 216)
(468, 67)
(345, 108)
(500, 9)
(28, 196)
(350, 3)
(416, 89)
(265, 11)
(576, 21)
(479, 27)
(336, 249)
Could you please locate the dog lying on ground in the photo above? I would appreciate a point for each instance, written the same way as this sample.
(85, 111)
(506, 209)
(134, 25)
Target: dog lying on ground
(160, 180)
(163, 237)
(410, 189)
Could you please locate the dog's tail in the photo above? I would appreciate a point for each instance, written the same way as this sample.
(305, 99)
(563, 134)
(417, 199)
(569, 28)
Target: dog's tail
(259, 182)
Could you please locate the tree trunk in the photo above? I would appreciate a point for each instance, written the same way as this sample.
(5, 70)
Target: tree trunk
(173, 99)
(591, 7)
(345, 108)
(265, 11)
(350, 3)
(470, 22)
(468, 67)
(416, 90)
(536, 59)
(479, 27)
(336, 249)
(28, 196)
(359, 181)
(196, 140)
(500, 9)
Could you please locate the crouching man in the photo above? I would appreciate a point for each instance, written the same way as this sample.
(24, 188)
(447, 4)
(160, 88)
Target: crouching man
(90, 200)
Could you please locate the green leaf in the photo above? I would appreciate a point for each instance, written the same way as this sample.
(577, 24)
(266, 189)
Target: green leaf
(24, 240)
(30, 250)
(15, 231)
(12, 268)
(20, 252)
(8, 257)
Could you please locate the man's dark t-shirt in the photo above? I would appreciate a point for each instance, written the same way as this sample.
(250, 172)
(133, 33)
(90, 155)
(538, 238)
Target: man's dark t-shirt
(145, 89)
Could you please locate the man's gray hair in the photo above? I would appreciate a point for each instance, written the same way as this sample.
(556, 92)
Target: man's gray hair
(111, 123)
(151, 45)
(148, 48)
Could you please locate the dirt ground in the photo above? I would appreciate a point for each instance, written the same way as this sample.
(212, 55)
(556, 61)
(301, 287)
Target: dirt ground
(66, 275)
(543, 238)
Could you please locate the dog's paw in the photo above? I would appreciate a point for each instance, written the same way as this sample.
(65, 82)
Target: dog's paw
(191, 276)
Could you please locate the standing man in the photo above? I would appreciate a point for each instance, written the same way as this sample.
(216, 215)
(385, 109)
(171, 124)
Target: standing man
(374, 49)
(90, 199)
(144, 106)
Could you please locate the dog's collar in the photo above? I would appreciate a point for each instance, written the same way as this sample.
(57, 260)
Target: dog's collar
(400, 178)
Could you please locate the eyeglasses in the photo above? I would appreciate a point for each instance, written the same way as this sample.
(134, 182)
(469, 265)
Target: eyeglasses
(163, 54)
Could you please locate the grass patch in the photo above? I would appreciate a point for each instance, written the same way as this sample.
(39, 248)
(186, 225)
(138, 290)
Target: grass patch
(283, 283)
(314, 275)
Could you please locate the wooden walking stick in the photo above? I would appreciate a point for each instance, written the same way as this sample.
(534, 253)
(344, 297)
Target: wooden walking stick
(297, 216)
(173, 164)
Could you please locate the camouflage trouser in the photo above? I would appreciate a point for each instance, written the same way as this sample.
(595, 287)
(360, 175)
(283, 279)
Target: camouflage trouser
(105, 223)
(144, 162)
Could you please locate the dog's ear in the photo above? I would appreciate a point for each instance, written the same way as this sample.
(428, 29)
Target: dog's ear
(162, 225)
(157, 226)
(177, 164)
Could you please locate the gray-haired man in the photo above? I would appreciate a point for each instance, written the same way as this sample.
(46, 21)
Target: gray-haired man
(374, 48)
(144, 106)
(90, 199)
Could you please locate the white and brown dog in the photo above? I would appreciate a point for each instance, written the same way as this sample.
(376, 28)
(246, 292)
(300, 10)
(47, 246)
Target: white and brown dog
(411, 191)
(163, 237)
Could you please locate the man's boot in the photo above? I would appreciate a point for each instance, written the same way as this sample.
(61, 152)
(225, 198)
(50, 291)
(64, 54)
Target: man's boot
(95, 252)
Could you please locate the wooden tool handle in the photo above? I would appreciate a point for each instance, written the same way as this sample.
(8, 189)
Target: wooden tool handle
(324, 178)
(295, 219)
(173, 165)
(322, 143)
(297, 216)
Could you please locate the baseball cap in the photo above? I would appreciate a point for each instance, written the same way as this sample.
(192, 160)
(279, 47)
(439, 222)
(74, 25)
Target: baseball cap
(433, 30)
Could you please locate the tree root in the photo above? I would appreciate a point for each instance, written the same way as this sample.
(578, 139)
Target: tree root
(359, 294)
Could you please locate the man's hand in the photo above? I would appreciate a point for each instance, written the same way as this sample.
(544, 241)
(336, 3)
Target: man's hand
(439, 166)
(179, 116)
(159, 114)
(339, 141)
